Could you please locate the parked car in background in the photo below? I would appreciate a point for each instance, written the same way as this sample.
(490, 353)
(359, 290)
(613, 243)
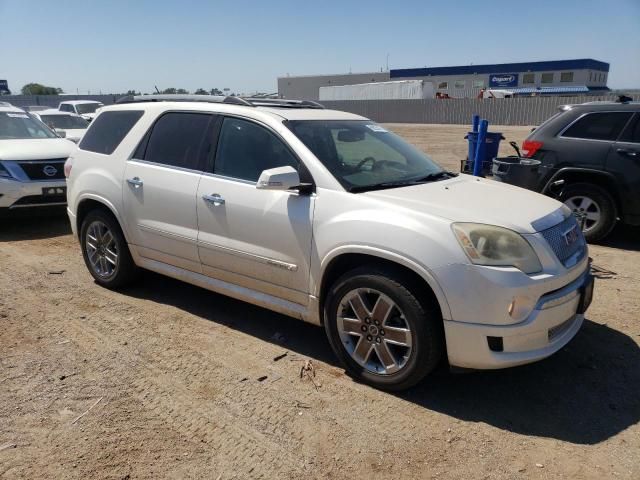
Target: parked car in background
(590, 156)
(85, 108)
(31, 162)
(74, 126)
(35, 108)
(328, 217)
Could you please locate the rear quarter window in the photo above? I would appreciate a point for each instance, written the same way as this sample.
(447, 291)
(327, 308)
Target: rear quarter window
(109, 129)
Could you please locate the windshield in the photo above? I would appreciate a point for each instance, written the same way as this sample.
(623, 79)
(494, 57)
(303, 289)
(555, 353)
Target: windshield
(84, 108)
(20, 125)
(363, 155)
(65, 122)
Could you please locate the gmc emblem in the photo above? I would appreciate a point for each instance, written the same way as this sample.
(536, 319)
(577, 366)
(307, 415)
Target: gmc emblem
(571, 235)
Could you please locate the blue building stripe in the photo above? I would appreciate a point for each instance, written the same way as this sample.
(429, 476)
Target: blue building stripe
(554, 65)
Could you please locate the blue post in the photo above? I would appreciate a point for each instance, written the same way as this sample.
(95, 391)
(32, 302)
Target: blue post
(480, 148)
(474, 124)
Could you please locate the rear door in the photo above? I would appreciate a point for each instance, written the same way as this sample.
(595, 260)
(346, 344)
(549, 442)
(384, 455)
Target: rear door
(624, 162)
(160, 186)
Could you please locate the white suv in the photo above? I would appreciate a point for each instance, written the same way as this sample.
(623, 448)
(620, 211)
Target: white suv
(32, 160)
(85, 108)
(328, 217)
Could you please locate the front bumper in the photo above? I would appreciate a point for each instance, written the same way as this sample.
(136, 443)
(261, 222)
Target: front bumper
(15, 194)
(555, 320)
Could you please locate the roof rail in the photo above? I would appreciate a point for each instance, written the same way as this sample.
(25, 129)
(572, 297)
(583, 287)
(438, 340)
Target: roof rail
(184, 98)
(247, 102)
(283, 103)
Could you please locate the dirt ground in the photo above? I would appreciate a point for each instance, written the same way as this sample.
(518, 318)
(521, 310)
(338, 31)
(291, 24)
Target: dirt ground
(166, 380)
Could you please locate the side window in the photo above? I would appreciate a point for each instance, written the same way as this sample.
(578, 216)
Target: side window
(632, 132)
(599, 126)
(245, 149)
(180, 140)
(66, 108)
(108, 129)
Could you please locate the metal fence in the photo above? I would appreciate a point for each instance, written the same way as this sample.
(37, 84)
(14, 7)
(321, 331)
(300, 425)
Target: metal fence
(505, 111)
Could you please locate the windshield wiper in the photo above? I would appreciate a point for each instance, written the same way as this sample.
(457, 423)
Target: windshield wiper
(404, 183)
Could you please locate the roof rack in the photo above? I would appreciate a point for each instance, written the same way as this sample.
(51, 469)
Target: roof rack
(247, 102)
(283, 103)
(184, 98)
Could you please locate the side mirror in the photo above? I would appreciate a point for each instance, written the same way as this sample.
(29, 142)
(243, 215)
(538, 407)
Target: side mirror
(281, 178)
(61, 133)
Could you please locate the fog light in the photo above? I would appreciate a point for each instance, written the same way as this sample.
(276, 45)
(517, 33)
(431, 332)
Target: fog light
(495, 344)
(520, 307)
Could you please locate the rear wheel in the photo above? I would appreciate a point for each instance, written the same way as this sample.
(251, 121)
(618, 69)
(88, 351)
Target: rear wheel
(380, 330)
(593, 207)
(105, 250)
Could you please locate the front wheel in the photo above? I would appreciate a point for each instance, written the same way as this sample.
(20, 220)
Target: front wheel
(380, 329)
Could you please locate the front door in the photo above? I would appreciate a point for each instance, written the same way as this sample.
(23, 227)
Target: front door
(160, 186)
(258, 239)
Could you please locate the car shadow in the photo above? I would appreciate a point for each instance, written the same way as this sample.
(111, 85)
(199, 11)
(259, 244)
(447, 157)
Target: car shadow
(31, 225)
(625, 237)
(585, 394)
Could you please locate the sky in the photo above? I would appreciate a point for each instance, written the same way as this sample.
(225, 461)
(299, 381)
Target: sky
(118, 45)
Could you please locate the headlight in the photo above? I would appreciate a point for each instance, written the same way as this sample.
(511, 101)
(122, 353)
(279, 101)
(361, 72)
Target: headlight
(496, 246)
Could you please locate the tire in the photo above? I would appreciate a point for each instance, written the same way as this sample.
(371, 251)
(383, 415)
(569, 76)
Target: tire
(110, 271)
(596, 203)
(372, 285)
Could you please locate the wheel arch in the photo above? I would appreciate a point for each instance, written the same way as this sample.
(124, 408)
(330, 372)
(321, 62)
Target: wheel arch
(599, 178)
(344, 259)
(92, 202)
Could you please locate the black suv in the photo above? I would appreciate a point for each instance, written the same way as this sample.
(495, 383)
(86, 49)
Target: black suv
(590, 156)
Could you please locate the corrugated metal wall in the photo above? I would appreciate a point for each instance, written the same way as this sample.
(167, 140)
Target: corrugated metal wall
(54, 100)
(508, 111)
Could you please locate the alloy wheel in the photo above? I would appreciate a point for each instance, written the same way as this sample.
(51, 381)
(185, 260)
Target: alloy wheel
(374, 331)
(102, 250)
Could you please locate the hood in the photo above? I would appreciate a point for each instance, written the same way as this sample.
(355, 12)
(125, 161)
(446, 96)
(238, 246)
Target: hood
(471, 199)
(36, 149)
(75, 134)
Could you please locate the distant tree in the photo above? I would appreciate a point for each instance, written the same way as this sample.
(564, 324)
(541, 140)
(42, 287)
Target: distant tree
(132, 92)
(170, 91)
(182, 91)
(215, 91)
(38, 89)
(201, 91)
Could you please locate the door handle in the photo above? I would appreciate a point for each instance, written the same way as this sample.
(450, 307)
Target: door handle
(135, 181)
(629, 153)
(214, 198)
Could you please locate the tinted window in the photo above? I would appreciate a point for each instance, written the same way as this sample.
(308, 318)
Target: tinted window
(546, 78)
(108, 129)
(599, 126)
(246, 149)
(632, 133)
(528, 78)
(181, 140)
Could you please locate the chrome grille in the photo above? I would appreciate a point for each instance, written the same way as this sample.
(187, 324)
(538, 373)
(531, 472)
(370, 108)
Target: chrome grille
(558, 239)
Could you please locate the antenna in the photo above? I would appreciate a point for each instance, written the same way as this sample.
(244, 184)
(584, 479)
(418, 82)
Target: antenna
(156, 87)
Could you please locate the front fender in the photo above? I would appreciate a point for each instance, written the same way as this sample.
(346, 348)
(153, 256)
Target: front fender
(405, 261)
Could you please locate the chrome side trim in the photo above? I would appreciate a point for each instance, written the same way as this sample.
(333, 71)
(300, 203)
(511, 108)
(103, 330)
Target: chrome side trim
(258, 258)
(164, 233)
